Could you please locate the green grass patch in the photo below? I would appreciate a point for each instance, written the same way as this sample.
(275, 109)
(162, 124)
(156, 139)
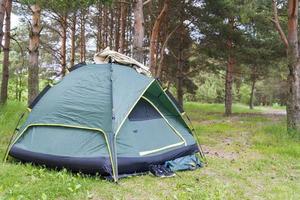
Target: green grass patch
(250, 156)
(218, 108)
(274, 139)
(9, 115)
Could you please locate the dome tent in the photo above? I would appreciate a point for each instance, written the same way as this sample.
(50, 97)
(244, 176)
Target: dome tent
(103, 118)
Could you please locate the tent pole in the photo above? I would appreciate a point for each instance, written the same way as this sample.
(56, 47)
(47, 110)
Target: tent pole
(195, 136)
(12, 136)
(113, 142)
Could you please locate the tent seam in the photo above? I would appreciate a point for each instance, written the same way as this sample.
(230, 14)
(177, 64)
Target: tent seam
(114, 168)
(176, 132)
(133, 107)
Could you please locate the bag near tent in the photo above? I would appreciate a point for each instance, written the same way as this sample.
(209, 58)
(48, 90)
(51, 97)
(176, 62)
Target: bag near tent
(103, 118)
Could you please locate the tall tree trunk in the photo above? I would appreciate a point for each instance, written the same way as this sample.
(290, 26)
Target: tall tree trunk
(111, 27)
(129, 32)
(179, 75)
(34, 43)
(154, 37)
(17, 86)
(253, 79)
(105, 26)
(73, 38)
(99, 28)
(139, 30)
(293, 100)
(179, 81)
(228, 86)
(117, 27)
(63, 44)
(5, 65)
(123, 26)
(2, 15)
(251, 103)
(229, 74)
(20, 90)
(82, 35)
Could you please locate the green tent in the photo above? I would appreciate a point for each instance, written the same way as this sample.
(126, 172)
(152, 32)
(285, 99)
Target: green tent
(103, 118)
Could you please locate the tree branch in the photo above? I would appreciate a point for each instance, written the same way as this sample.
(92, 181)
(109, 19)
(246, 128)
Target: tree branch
(276, 22)
(52, 29)
(146, 2)
(21, 49)
(54, 52)
(123, 2)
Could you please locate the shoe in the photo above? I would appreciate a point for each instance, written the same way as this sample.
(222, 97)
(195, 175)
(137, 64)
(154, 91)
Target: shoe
(156, 171)
(167, 171)
(161, 171)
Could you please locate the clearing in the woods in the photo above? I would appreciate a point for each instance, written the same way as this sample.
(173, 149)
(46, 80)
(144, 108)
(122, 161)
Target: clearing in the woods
(250, 156)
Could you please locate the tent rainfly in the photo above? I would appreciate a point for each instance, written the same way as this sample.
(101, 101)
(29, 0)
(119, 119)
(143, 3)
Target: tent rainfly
(103, 118)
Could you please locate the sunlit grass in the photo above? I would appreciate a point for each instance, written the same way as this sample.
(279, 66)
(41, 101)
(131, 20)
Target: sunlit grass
(219, 108)
(250, 156)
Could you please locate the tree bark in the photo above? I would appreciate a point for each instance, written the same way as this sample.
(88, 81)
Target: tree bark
(99, 28)
(251, 102)
(293, 63)
(179, 82)
(73, 38)
(34, 43)
(139, 31)
(123, 26)
(17, 86)
(2, 15)
(293, 100)
(129, 31)
(154, 38)
(5, 65)
(179, 74)
(229, 73)
(228, 86)
(63, 44)
(105, 26)
(82, 35)
(276, 22)
(117, 27)
(111, 27)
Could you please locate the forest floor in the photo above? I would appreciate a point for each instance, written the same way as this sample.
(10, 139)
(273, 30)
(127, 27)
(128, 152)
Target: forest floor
(250, 156)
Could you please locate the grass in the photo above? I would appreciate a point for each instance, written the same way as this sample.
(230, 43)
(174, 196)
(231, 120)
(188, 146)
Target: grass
(250, 156)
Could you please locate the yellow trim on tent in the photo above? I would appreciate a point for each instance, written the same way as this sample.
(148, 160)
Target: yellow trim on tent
(144, 153)
(118, 129)
(68, 126)
(133, 107)
(164, 90)
(177, 133)
(141, 96)
(181, 115)
(29, 109)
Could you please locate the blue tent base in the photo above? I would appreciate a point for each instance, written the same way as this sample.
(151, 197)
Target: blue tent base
(100, 165)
